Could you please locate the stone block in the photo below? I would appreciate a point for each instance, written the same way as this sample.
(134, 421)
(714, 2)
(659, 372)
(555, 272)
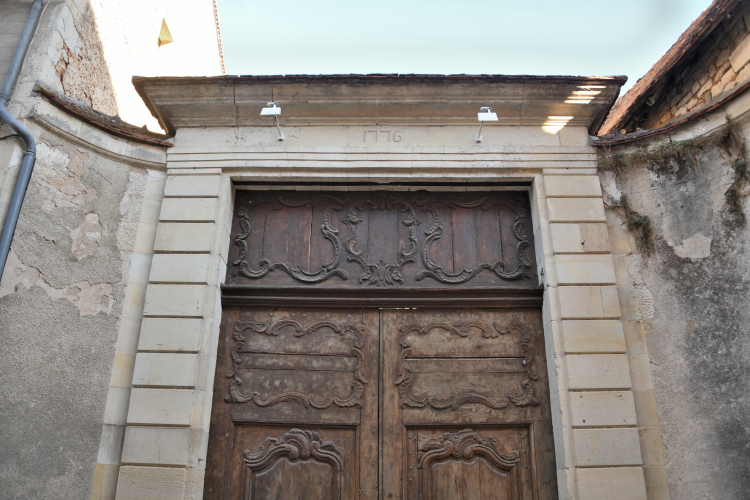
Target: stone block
(589, 302)
(606, 447)
(122, 370)
(597, 269)
(175, 300)
(144, 238)
(189, 210)
(595, 238)
(645, 409)
(180, 268)
(593, 336)
(105, 482)
(653, 450)
(613, 483)
(565, 186)
(151, 483)
(184, 237)
(165, 369)
(160, 406)
(610, 302)
(602, 409)
(566, 238)
(192, 185)
(657, 485)
(575, 210)
(170, 334)
(740, 55)
(155, 445)
(598, 371)
(640, 372)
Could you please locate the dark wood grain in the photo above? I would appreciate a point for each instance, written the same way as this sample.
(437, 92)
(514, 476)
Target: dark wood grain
(371, 239)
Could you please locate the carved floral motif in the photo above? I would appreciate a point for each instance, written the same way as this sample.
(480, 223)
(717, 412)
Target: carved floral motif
(454, 401)
(354, 398)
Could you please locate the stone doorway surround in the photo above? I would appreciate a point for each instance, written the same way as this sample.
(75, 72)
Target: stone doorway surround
(424, 134)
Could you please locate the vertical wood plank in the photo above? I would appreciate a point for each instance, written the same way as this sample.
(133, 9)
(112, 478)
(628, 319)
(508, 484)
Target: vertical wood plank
(442, 249)
(508, 240)
(276, 240)
(321, 249)
(463, 230)
(368, 429)
(489, 246)
(300, 228)
(392, 432)
(257, 232)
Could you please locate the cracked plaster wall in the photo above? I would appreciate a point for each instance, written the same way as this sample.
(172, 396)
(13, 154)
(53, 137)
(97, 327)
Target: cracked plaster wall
(689, 312)
(60, 303)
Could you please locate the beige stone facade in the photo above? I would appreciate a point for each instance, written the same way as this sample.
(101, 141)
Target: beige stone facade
(112, 293)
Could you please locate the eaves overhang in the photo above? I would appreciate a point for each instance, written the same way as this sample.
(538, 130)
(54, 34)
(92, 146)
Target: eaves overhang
(392, 99)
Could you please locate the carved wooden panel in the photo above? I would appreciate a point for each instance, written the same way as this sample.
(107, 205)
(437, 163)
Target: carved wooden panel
(382, 239)
(295, 405)
(447, 364)
(465, 464)
(298, 464)
(465, 410)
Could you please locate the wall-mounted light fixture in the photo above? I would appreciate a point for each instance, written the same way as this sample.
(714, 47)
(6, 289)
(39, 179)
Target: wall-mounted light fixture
(485, 115)
(272, 109)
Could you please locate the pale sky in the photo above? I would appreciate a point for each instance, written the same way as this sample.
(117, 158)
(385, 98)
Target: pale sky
(540, 37)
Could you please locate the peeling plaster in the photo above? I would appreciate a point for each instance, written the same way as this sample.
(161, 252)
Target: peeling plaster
(89, 299)
(59, 177)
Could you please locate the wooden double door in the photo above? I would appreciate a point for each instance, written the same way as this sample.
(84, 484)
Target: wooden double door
(327, 403)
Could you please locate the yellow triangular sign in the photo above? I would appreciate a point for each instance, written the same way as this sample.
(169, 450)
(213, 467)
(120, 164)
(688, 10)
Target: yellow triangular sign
(165, 36)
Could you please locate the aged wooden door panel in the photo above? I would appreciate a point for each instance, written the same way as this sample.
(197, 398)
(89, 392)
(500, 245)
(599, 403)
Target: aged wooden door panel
(465, 410)
(295, 405)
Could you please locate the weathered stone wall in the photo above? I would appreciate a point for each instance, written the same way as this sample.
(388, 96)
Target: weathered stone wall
(70, 285)
(688, 320)
(61, 299)
(720, 65)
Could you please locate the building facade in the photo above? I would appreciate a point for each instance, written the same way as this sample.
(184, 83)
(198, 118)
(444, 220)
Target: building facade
(366, 301)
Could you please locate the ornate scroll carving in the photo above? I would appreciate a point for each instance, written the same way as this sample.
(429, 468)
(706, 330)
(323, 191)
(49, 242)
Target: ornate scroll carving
(299, 446)
(295, 445)
(434, 232)
(454, 401)
(329, 232)
(382, 273)
(354, 398)
(464, 445)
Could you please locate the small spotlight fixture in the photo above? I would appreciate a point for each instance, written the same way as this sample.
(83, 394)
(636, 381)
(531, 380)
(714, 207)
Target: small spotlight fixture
(485, 115)
(273, 109)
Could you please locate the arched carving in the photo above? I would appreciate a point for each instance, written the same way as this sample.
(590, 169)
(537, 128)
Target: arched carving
(464, 445)
(298, 446)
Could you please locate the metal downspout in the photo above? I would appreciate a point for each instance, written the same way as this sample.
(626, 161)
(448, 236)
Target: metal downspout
(29, 152)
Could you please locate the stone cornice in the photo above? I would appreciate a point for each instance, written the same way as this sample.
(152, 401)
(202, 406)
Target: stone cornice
(432, 100)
